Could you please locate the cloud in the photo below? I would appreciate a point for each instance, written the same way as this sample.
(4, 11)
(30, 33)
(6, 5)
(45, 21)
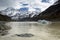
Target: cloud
(32, 3)
(36, 3)
(6, 3)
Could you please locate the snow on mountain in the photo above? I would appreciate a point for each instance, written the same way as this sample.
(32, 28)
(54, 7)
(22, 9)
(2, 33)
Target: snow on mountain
(9, 11)
(19, 13)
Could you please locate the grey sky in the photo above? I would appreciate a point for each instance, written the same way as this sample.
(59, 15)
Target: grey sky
(6, 3)
(12, 3)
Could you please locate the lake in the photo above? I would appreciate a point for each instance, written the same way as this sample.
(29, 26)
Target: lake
(38, 30)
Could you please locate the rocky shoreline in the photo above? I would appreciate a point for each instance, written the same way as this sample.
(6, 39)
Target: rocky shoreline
(4, 29)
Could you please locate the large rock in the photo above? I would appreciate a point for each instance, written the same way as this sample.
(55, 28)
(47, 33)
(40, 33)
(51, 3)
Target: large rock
(51, 14)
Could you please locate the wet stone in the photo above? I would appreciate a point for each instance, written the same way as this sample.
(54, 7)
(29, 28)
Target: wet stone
(25, 35)
(3, 33)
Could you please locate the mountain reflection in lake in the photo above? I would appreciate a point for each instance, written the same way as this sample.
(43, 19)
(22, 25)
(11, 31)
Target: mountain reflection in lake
(40, 32)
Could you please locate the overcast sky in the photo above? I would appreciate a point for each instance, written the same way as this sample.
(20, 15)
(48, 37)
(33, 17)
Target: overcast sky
(15, 3)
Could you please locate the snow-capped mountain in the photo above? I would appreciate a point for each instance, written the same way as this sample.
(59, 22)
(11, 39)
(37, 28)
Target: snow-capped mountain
(24, 10)
(17, 14)
(8, 11)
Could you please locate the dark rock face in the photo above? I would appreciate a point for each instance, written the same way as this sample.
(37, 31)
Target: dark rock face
(51, 14)
(4, 18)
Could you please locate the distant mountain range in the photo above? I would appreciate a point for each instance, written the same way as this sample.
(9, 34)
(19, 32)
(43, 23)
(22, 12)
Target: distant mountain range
(17, 14)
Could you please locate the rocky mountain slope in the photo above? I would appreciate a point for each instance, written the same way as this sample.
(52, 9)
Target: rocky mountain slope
(51, 14)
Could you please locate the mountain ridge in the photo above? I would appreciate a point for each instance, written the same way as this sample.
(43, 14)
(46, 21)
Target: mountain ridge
(52, 13)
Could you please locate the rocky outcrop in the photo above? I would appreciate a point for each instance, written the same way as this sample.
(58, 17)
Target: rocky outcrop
(51, 14)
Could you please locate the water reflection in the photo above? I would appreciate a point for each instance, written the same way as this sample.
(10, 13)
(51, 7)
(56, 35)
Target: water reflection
(40, 32)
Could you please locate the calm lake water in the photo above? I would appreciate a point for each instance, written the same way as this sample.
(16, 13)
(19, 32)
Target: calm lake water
(40, 31)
